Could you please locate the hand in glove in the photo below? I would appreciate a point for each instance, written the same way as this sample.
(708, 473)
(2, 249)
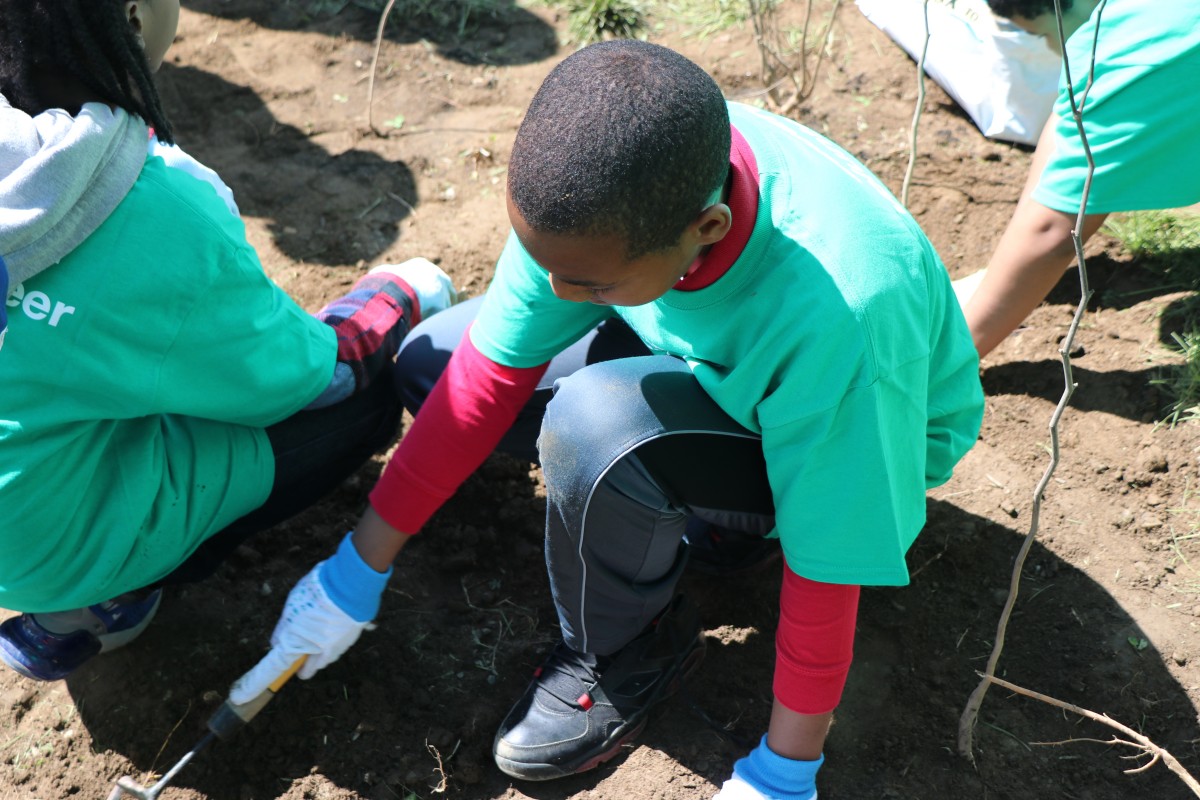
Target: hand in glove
(763, 775)
(325, 613)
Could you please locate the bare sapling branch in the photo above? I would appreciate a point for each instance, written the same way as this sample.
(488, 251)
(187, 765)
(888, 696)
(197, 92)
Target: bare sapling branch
(916, 120)
(781, 63)
(970, 715)
(374, 65)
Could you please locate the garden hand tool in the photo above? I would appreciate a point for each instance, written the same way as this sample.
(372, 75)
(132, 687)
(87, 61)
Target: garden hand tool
(224, 723)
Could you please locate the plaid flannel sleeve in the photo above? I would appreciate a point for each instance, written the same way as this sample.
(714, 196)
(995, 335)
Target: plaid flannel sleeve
(370, 322)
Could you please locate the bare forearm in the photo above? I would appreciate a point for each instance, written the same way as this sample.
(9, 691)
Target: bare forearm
(797, 736)
(1033, 253)
(378, 542)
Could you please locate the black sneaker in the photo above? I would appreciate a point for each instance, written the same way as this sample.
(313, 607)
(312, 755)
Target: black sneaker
(581, 708)
(714, 550)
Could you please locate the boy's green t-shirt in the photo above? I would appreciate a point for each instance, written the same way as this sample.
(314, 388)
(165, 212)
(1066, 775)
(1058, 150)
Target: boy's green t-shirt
(139, 376)
(835, 335)
(1140, 115)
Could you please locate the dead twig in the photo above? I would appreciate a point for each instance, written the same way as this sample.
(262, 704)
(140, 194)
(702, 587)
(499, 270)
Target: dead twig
(440, 769)
(916, 120)
(777, 66)
(374, 64)
(1139, 742)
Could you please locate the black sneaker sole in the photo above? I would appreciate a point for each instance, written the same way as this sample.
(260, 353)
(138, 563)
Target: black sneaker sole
(611, 747)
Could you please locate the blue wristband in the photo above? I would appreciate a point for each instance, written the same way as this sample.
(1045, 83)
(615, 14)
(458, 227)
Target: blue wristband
(777, 777)
(351, 583)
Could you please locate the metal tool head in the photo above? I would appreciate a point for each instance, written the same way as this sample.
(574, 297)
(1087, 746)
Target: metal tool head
(127, 788)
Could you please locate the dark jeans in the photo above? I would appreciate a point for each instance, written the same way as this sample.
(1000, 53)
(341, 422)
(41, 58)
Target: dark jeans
(631, 447)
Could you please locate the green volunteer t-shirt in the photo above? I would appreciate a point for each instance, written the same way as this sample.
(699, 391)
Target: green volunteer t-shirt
(835, 335)
(1140, 115)
(139, 376)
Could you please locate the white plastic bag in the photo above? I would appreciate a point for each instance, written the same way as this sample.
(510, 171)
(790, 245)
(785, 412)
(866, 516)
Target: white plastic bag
(1004, 78)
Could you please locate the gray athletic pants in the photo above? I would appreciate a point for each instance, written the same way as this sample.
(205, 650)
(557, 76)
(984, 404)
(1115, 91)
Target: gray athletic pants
(630, 447)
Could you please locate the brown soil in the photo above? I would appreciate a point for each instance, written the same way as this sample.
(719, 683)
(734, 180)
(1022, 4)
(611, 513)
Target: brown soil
(273, 95)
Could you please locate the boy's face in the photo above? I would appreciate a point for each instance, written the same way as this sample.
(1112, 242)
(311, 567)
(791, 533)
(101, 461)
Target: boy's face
(593, 269)
(157, 21)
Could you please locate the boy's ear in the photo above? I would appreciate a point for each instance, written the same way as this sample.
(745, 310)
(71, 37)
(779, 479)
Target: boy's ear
(134, 14)
(713, 224)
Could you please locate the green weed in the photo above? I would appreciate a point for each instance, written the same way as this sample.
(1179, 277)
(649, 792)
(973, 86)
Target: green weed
(596, 20)
(1167, 244)
(703, 18)
(1164, 242)
(1181, 383)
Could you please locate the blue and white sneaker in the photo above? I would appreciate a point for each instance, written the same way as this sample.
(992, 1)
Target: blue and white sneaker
(49, 647)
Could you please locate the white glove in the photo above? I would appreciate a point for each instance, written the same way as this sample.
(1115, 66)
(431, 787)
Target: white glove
(964, 288)
(764, 775)
(311, 624)
(737, 789)
(433, 287)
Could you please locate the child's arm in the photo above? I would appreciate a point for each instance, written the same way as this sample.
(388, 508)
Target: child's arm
(470, 408)
(374, 317)
(1031, 257)
(814, 647)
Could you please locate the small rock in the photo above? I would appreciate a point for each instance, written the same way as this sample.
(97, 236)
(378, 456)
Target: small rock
(1009, 508)
(1179, 658)
(1154, 459)
(248, 554)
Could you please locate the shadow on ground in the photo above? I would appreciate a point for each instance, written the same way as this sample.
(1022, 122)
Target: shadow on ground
(457, 642)
(506, 35)
(310, 190)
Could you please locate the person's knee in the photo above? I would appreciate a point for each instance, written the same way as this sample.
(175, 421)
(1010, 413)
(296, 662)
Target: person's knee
(425, 352)
(417, 367)
(596, 414)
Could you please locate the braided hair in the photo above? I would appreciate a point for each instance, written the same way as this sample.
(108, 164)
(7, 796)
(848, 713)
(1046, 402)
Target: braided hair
(89, 42)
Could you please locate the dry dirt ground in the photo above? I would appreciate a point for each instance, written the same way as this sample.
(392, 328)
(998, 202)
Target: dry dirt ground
(273, 95)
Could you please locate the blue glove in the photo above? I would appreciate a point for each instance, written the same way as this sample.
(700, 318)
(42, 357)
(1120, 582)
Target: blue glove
(325, 613)
(763, 775)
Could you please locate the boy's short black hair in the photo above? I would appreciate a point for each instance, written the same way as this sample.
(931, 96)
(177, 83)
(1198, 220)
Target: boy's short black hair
(89, 41)
(1027, 9)
(623, 138)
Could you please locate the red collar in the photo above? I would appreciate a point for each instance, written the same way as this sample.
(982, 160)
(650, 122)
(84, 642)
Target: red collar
(743, 203)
